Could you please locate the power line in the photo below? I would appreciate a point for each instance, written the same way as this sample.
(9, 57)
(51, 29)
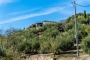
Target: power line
(83, 6)
(80, 5)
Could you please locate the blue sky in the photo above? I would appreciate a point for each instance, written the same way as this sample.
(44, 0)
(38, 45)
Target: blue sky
(23, 13)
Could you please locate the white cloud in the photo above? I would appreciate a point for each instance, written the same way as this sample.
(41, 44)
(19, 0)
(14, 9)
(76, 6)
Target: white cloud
(44, 12)
(22, 12)
(6, 1)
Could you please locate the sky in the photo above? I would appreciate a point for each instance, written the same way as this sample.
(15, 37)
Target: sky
(23, 13)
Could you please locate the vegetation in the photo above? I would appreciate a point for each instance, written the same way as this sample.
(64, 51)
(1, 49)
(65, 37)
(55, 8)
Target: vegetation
(86, 44)
(51, 38)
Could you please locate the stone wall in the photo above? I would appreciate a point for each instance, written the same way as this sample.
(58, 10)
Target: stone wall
(39, 57)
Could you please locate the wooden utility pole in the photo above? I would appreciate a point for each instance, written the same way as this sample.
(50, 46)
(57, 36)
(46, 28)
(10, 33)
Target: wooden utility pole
(76, 30)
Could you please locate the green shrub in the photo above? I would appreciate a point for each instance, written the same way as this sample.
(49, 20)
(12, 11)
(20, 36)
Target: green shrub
(85, 45)
(83, 20)
(25, 46)
(2, 52)
(69, 26)
(44, 47)
(65, 41)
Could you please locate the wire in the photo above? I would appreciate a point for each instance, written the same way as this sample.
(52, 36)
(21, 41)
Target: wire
(82, 5)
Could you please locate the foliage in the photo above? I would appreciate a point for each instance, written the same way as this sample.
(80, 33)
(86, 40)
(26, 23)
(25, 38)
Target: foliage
(87, 29)
(47, 39)
(44, 47)
(66, 43)
(69, 26)
(85, 16)
(2, 52)
(24, 47)
(82, 20)
(85, 44)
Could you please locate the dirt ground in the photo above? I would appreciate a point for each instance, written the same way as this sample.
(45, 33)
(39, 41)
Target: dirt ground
(69, 55)
(63, 57)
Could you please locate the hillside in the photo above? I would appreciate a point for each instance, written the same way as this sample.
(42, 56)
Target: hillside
(54, 37)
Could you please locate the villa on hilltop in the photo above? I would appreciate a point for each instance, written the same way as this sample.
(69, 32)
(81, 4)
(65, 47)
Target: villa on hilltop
(40, 24)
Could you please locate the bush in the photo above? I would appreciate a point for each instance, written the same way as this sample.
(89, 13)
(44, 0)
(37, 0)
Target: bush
(44, 47)
(65, 41)
(35, 45)
(83, 21)
(25, 46)
(85, 44)
(2, 52)
(9, 54)
(69, 26)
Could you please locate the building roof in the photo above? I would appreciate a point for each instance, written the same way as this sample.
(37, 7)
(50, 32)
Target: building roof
(40, 22)
(47, 21)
